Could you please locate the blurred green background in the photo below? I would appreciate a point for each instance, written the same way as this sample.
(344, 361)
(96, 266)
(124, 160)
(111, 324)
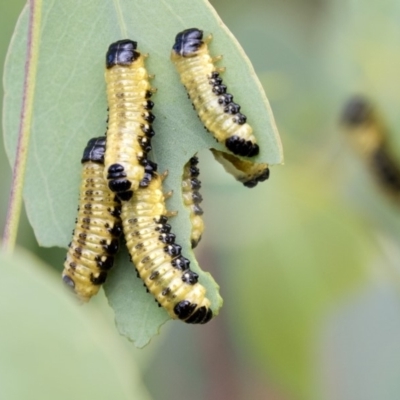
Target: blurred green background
(307, 262)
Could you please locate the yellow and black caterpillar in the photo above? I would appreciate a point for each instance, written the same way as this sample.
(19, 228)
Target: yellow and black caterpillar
(129, 126)
(95, 238)
(215, 107)
(158, 258)
(249, 173)
(369, 137)
(192, 198)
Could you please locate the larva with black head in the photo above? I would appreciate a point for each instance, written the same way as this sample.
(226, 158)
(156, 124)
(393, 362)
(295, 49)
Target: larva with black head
(129, 130)
(192, 199)
(246, 172)
(368, 135)
(214, 106)
(95, 238)
(158, 259)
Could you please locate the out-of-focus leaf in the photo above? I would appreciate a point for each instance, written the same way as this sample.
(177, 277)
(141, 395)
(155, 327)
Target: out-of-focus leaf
(50, 348)
(70, 107)
(297, 254)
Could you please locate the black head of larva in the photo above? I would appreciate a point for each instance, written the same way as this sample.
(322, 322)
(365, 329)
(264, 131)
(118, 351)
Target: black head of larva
(188, 42)
(263, 176)
(94, 150)
(357, 111)
(122, 52)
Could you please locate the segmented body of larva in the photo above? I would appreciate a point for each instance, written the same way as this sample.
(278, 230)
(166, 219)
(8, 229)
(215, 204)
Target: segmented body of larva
(214, 106)
(95, 238)
(129, 129)
(192, 199)
(157, 257)
(249, 173)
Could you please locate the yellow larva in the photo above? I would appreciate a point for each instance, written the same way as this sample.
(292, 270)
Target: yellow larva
(192, 199)
(129, 126)
(98, 227)
(215, 107)
(249, 173)
(157, 258)
(368, 135)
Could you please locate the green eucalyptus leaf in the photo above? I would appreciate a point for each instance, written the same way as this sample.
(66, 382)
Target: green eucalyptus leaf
(70, 108)
(52, 349)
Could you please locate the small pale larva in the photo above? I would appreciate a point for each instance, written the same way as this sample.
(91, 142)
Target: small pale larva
(157, 258)
(214, 106)
(250, 174)
(368, 135)
(192, 199)
(95, 238)
(129, 130)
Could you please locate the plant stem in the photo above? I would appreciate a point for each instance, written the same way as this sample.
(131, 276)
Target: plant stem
(15, 201)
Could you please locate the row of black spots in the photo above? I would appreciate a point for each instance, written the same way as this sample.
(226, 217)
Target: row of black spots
(97, 230)
(192, 199)
(226, 99)
(158, 258)
(189, 54)
(124, 70)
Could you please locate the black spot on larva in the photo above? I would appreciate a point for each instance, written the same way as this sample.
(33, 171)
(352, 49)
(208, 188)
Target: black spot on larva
(196, 197)
(149, 117)
(225, 99)
(167, 238)
(147, 130)
(197, 210)
(104, 262)
(87, 206)
(219, 89)
(166, 228)
(148, 94)
(72, 265)
(173, 250)
(190, 277)
(264, 175)
(116, 230)
(154, 275)
(68, 281)
(149, 105)
(161, 220)
(82, 235)
(240, 119)
(232, 108)
(188, 42)
(122, 52)
(181, 263)
(99, 280)
(112, 247)
(194, 171)
(184, 309)
(115, 211)
(166, 291)
(195, 184)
